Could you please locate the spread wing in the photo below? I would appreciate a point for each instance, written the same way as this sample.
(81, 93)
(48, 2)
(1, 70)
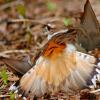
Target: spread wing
(68, 73)
(19, 67)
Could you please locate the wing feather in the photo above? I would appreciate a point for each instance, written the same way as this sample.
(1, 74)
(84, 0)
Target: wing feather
(70, 71)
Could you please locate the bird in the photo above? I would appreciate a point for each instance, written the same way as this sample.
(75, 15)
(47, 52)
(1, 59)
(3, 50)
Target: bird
(60, 67)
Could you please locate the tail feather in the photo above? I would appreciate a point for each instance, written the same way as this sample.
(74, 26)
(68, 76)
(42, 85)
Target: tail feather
(89, 36)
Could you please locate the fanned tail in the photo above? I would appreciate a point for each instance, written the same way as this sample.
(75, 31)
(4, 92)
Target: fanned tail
(89, 35)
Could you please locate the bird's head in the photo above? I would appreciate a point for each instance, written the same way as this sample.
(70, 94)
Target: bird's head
(59, 42)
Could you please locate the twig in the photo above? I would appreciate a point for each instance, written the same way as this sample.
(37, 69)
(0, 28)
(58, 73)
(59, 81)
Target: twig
(2, 96)
(95, 91)
(15, 51)
(40, 21)
(4, 53)
(5, 6)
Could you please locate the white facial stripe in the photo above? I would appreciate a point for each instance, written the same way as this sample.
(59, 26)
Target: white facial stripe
(62, 31)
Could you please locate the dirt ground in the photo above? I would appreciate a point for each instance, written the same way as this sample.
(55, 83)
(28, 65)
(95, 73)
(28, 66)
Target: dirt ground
(23, 32)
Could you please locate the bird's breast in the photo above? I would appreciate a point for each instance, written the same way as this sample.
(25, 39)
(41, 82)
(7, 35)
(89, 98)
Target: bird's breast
(53, 49)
